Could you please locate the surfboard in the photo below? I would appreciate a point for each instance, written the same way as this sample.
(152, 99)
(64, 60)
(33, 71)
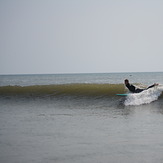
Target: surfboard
(122, 94)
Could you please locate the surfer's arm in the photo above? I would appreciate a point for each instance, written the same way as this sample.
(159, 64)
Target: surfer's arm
(152, 86)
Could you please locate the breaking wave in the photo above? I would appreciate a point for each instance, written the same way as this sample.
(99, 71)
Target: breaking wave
(144, 97)
(107, 91)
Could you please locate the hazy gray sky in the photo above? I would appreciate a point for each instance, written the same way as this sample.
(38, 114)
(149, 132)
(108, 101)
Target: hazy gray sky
(80, 36)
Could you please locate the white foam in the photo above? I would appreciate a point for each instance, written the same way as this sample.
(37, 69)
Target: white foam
(144, 97)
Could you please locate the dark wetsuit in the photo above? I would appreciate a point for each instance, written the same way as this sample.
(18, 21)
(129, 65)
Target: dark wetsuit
(133, 89)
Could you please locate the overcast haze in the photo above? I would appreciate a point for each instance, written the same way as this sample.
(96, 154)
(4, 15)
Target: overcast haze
(80, 36)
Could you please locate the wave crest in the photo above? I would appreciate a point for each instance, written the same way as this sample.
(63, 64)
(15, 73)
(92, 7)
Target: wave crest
(144, 97)
(63, 90)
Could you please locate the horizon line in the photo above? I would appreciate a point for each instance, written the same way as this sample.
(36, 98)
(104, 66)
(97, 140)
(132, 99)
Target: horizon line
(81, 73)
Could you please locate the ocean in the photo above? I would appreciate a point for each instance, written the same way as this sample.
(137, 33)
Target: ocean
(65, 118)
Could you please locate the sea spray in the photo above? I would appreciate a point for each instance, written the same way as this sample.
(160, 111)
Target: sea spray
(144, 97)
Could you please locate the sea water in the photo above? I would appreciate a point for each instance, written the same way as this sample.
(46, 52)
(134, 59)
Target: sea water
(111, 78)
(64, 118)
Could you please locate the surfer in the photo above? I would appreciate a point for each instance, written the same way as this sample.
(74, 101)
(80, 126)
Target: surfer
(133, 89)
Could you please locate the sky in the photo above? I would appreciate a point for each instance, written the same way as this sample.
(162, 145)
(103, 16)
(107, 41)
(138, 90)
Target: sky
(80, 36)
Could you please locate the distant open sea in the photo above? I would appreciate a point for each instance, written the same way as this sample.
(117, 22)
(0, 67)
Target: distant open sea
(100, 78)
(65, 118)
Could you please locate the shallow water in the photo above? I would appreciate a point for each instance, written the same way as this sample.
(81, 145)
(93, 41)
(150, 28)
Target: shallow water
(79, 131)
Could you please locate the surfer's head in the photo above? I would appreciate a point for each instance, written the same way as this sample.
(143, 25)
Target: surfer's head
(126, 81)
